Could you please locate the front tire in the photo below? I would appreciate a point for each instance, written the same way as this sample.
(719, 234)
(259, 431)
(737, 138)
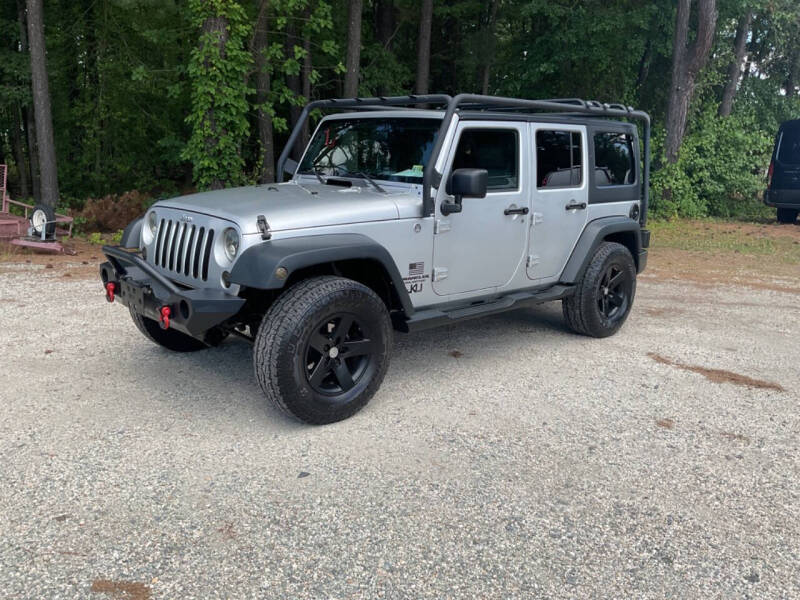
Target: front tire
(787, 215)
(604, 296)
(322, 349)
(168, 338)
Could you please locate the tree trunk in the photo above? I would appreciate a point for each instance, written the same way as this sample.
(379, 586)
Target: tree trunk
(735, 66)
(264, 118)
(687, 61)
(219, 26)
(489, 45)
(19, 152)
(41, 105)
(293, 81)
(384, 29)
(353, 49)
(384, 22)
(794, 75)
(33, 153)
(305, 79)
(424, 47)
(644, 64)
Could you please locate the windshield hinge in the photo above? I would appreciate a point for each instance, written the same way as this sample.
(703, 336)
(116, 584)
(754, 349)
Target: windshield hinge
(263, 227)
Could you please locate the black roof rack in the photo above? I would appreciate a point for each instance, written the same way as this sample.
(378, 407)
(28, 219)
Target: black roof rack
(432, 178)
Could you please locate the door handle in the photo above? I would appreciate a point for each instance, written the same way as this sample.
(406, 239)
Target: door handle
(575, 205)
(516, 211)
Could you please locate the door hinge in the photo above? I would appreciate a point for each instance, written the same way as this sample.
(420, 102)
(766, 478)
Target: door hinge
(533, 260)
(439, 273)
(441, 226)
(537, 218)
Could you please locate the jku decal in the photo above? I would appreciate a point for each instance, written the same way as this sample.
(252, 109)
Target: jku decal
(415, 281)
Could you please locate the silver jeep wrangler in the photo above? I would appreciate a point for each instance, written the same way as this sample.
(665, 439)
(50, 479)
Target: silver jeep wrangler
(403, 213)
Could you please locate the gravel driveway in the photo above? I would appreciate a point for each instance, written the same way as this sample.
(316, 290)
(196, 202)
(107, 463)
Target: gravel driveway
(502, 458)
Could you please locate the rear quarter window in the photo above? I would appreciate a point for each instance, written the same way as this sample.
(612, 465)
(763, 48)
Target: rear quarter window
(789, 146)
(613, 159)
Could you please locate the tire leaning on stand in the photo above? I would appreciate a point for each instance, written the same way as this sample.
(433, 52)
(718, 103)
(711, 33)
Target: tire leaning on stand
(43, 216)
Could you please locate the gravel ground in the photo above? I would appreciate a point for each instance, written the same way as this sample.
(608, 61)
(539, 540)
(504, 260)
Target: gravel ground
(502, 458)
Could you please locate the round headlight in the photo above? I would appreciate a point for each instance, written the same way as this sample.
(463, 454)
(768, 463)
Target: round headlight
(230, 239)
(152, 222)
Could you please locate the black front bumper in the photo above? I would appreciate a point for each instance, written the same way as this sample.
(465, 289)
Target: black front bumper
(142, 288)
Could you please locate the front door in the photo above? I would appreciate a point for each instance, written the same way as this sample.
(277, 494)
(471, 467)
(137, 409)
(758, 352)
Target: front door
(482, 247)
(560, 197)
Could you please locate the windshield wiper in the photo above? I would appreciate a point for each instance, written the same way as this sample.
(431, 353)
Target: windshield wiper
(369, 180)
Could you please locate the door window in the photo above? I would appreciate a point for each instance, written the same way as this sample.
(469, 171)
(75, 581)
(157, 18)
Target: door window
(558, 159)
(496, 150)
(613, 159)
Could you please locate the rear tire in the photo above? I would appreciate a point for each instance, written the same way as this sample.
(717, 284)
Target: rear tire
(168, 338)
(322, 349)
(604, 295)
(787, 215)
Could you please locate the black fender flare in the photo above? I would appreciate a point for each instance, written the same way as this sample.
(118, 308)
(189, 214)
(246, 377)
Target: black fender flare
(132, 234)
(256, 267)
(593, 235)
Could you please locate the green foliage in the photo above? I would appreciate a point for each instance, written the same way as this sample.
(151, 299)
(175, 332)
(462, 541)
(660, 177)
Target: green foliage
(124, 75)
(217, 69)
(96, 238)
(720, 172)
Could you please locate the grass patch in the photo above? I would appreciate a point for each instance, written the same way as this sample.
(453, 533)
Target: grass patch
(779, 241)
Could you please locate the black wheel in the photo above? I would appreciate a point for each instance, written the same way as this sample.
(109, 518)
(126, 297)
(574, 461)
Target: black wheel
(787, 215)
(168, 338)
(604, 296)
(43, 217)
(322, 349)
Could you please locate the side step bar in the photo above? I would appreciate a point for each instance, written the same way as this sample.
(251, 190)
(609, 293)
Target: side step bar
(434, 317)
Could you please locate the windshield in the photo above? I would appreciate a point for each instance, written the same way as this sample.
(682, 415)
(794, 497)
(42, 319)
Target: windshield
(378, 148)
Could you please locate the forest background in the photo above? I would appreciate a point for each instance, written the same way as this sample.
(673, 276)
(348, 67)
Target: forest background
(110, 102)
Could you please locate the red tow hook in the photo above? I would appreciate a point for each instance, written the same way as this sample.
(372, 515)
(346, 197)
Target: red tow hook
(111, 287)
(165, 315)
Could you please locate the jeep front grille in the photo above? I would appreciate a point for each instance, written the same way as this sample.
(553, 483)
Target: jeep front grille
(183, 248)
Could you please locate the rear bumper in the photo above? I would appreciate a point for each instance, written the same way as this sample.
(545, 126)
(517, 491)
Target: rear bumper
(142, 288)
(782, 198)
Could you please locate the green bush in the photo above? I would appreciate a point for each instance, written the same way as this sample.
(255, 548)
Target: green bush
(720, 172)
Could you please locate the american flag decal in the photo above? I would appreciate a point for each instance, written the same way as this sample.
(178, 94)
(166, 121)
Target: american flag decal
(417, 268)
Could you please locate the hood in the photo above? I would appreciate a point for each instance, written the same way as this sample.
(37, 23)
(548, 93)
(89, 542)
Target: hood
(292, 206)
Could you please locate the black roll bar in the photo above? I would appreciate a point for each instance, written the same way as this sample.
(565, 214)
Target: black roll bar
(432, 178)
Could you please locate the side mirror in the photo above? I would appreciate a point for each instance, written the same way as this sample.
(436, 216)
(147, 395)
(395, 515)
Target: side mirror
(290, 166)
(465, 183)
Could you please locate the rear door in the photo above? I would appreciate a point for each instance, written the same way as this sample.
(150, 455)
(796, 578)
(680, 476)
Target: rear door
(560, 196)
(787, 158)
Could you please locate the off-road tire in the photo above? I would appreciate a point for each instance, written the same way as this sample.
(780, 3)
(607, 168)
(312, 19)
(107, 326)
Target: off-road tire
(168, 338)
(583, 310)
(43, 212)
(787, 215)
(286, 361)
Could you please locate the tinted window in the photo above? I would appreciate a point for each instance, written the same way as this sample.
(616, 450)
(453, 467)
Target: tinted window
(789, 149)
(558, 159)
(613, 159)
(495, 150)
(383, 148)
